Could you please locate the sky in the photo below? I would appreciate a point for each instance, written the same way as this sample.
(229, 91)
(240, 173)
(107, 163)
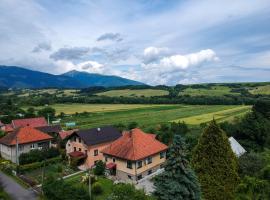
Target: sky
(153, 41)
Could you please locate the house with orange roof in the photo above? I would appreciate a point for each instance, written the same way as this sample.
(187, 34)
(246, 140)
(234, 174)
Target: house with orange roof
(33, 122)
(134, 155)
(23, 140)
(89, 143)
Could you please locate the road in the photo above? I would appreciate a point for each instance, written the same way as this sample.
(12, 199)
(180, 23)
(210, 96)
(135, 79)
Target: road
(15, 190)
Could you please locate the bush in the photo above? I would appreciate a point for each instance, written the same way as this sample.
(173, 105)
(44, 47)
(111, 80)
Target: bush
(97, 188)
(38, 155)
(250, 164)
(99, 168)
(36, 165)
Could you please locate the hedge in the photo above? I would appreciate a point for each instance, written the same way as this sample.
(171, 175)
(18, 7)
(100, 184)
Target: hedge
(36, 165)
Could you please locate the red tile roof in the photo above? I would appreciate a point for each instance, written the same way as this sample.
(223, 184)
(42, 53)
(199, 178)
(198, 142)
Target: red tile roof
(77, 154)
(135, 145)
(33, 122)
(8, 128)
(24, 135)
(64, 134)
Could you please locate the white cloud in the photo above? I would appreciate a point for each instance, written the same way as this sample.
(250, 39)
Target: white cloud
(152, 54)
(91, 66)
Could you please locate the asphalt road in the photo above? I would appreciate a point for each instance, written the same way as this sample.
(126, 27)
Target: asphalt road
(16, 191)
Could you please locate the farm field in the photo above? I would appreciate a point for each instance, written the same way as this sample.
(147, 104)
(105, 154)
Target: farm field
(73, 108)
(134, 93)
(265, 89)
(148, 115)
(224, 115)
(213, 91)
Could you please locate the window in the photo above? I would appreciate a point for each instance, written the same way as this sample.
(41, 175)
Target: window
(139, 163)
(149, 160)
(149, 172)
(75, 149)
(80, 149)
(129, 164)
(113, 159)
(74, 139)
(162, 155)
(32, 146)
(68, 144)
(106, 159)
(139, 177)
(95, 152)
(80, 140)
(95, 162)
(130, 177)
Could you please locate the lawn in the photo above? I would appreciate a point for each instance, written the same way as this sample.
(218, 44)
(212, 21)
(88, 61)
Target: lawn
(149, 116)
(224, 115)
(133, 93)
(263, 90)
(213, 91)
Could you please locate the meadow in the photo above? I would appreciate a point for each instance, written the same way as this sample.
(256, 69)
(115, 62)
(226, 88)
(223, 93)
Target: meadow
(213, 91)
(146, 116)
(264, 90)
(134, 93)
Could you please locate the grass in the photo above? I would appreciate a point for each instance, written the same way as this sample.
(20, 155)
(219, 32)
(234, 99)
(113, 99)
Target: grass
(57, 92)
(264, 90)
(149, 116)
(133, 93)
(73, 108)
(224, 115)
(213, 91)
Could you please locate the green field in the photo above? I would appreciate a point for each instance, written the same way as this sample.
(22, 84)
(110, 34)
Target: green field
(147, 115)
(261, 90)
(96, 108)
(224, 115)
(134, 93)
(213, 91)
(57, 92)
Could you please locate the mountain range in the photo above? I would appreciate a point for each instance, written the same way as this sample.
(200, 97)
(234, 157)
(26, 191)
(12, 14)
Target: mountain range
(19, 77)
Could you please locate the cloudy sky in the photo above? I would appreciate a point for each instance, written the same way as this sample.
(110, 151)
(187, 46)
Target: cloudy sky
(153, 41)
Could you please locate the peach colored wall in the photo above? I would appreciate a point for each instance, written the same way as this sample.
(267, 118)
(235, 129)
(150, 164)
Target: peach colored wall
(122, 164)
(90, 161)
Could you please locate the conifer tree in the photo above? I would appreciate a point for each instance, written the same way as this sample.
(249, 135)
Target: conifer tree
(178, 181)
(215, 164)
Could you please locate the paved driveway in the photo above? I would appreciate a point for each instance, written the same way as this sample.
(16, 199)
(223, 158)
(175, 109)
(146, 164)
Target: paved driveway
(16, 191)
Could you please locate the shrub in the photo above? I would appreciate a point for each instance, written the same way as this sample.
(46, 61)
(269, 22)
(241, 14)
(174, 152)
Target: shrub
(97, 188)
(36, 165)
(38, 155)
(100, 168)
(250, 164)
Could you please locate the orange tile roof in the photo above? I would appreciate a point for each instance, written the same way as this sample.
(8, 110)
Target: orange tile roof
(64, 134)
(33, 122)
(8, 128)
(135, 145)
(24, 135)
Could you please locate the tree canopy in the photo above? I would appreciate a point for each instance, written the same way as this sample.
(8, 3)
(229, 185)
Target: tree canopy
(178, 181)
(215, 164)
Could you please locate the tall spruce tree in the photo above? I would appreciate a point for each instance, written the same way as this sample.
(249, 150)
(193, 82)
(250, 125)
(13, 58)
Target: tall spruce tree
(178, 181)
(215, 164)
